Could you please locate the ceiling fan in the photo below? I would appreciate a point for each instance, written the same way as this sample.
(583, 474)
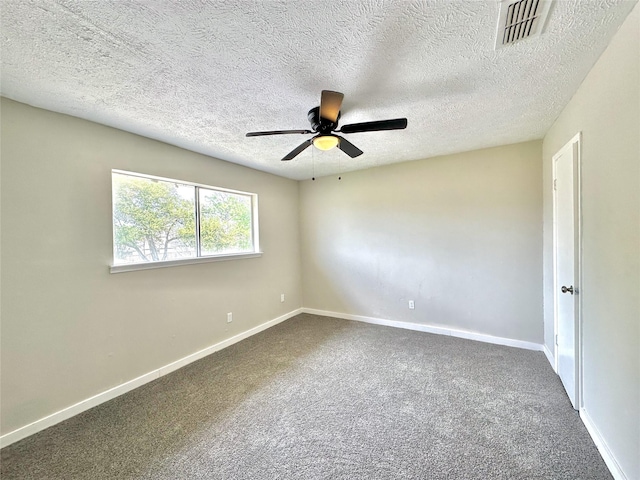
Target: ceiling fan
(324, 123)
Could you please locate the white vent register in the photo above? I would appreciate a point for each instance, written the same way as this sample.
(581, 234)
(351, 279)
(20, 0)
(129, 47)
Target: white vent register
(520, 19)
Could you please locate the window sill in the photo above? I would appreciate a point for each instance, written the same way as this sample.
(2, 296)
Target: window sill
(176, 263)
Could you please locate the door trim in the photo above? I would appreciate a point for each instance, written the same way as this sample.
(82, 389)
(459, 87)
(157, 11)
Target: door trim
(574, 143)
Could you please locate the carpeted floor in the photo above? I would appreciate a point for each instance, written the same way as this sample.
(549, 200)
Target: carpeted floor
(321, 398)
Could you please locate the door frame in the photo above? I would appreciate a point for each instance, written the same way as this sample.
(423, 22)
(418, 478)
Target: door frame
(574, 143)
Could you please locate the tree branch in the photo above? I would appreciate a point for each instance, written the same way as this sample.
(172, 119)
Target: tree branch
(167, 241)
(135, 247)
(152, 247)
(166, 246)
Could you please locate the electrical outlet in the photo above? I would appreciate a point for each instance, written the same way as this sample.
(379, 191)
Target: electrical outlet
(411, 305)
(282, 298)
(229, 317)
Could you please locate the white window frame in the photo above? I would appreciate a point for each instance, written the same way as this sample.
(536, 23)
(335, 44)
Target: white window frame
(192, 260)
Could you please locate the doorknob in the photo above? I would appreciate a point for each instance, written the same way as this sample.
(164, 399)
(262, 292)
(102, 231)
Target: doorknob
(567, 289)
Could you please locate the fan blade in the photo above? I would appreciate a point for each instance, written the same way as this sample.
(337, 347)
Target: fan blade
(330, 103)
(276, 132)
(395, 124)
(349, 148)
(293, 153)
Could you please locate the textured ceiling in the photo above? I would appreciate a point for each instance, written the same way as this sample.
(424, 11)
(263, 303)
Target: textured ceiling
(201, 74)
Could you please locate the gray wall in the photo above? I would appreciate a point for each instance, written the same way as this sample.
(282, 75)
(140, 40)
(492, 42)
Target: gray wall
(461, 235)
(70, 329)
(606, 109)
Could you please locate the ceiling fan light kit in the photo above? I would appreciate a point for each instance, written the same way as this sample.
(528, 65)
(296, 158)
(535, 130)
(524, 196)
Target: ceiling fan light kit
(326, 142)
(324, 122)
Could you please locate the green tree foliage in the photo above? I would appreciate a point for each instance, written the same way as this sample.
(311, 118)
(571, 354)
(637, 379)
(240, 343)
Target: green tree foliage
(225, 222)
(151, 218)
(155, 220)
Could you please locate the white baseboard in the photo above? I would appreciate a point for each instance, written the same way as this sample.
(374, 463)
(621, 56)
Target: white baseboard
(550, 357)
(68, 412)
(603, 448)
(430, 329)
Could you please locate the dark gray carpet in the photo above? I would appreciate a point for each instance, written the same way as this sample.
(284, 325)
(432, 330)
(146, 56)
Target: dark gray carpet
(316, 398)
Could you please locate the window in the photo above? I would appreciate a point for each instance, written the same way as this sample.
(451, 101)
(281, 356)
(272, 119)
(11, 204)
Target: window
(162, 220)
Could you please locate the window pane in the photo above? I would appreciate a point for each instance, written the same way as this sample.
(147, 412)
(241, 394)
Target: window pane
(225, 223)
(152, 220)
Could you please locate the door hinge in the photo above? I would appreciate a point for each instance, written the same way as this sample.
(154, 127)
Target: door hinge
(555, 184)
(556, 338)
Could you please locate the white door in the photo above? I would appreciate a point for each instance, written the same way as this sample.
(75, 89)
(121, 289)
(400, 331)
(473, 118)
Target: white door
(566, 255)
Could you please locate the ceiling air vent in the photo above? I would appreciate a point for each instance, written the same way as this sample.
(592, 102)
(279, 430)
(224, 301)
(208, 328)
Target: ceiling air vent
(520, 19)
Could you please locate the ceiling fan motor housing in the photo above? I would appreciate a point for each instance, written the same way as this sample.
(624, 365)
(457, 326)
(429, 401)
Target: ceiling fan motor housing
(321, 125)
